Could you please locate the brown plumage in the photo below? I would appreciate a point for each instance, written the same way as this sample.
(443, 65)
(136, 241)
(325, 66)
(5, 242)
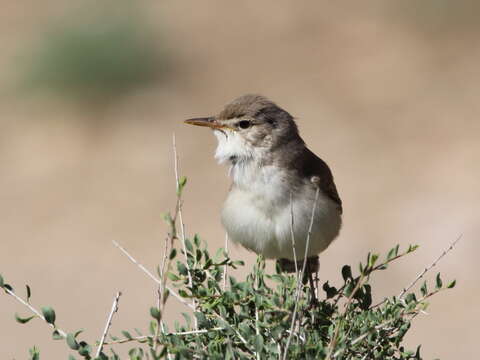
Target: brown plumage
(271, 166)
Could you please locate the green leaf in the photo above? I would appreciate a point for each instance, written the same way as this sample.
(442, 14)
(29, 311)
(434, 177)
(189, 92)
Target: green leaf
(71, 357)
(201, 319)
(71, 342)
(182, 181)
(182, 269)
(172, 276)
(329, 290)
(84, 349)
(258, 343)
(168, 218)
(49, 314)
(438, 282)
(196, 240)
(127, 334)
(410, 297)
(372, 260)
(451, 284)
(391, 253)
(424, 289)
(34, 354)
(346, 272)
(23, 320)
(219, 254)
(152, 327)
(188, 245)
(349, 288)
(183, 293)
(56, 335)
(155, 313)
(173, 253)
(187, 319)
(1, 281)
(412, 248)
(29, 293)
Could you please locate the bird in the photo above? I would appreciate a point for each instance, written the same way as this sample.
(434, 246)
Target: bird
(280, 189)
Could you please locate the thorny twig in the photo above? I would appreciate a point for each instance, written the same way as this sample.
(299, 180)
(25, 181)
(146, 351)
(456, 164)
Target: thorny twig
(109, 323)
(151, 276)
(445, 252)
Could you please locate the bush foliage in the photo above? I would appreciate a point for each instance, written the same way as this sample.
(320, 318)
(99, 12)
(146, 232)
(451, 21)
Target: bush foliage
(264, 316)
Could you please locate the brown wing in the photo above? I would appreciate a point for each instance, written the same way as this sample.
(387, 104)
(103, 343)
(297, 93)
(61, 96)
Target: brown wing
(314, 166)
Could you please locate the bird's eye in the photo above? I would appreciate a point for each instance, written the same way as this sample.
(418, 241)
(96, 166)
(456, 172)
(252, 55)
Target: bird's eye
(244, 124)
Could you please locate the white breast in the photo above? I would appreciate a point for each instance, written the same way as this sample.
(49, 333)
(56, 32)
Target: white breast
(257, 212)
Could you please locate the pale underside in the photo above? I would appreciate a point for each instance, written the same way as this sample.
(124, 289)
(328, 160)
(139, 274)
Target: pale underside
(258, 210)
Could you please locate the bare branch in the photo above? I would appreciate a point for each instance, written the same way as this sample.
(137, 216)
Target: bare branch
(182, 225)
(445, 252)
(292, 235)
(151, 276)
(300, 278)
(109, 322)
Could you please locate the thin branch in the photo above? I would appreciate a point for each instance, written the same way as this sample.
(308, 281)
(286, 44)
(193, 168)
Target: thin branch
(109, 323)
(257, 329)
(146, 337)
(300, 278)
(159, 319)
(292, 236)
(333, 341)
(151, 276)
(182, 225)
(169, 356)
(445, 252)
(35, 311)
(242, 339)
(225, 268)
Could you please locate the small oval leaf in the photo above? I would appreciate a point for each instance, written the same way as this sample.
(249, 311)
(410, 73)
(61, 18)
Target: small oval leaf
(155, 313)
(23, 320)
(49, 314)
(71, 342)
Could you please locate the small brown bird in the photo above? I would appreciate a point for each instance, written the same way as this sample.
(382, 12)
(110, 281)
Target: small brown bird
(274, 176)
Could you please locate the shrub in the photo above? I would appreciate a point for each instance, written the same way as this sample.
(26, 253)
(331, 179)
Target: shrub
(264, 316)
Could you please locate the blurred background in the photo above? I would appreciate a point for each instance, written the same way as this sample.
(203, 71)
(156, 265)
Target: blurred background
(91, 92)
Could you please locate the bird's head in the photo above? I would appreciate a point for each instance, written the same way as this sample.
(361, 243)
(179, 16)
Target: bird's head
(249, 127)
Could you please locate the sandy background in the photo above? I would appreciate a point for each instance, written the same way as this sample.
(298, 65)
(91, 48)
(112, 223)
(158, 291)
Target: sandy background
(386, 92)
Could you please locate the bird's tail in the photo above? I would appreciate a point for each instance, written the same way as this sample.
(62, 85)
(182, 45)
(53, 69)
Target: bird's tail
(288, 266)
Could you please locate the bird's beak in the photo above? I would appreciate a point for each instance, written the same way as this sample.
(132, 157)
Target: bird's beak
(210, 122)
